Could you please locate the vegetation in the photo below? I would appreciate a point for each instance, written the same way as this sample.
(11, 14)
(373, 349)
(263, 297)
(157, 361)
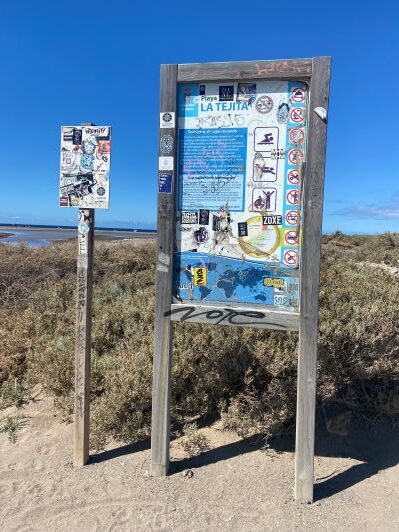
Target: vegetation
(245, 376)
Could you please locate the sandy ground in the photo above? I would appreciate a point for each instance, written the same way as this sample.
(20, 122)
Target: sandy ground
(235, 485)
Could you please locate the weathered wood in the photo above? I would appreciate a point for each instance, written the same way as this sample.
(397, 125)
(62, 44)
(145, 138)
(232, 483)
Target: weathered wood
(310, 272)
(83, 336)
(160, 432)
(234, 315)
(278, 69)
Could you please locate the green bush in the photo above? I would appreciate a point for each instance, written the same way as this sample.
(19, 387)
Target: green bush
(246, 376)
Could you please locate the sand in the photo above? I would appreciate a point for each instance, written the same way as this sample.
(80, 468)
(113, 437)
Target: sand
(235, 485)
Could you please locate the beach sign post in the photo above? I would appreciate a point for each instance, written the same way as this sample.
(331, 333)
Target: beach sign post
(240, 196)
(84, 183)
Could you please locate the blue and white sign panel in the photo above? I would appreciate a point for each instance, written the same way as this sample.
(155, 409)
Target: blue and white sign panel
(241, 149)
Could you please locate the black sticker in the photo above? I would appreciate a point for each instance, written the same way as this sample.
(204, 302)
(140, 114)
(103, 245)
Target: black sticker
(76, 136)
(226, 93)
(204, 217)
(202, 90)
(216, 223)
(242, 229)
(188, 217)
(273, 219)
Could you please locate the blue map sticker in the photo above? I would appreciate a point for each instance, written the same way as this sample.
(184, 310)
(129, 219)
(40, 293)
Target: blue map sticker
(165, 180)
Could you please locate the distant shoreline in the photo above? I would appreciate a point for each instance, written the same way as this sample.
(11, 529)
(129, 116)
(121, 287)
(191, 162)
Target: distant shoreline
(66, 229)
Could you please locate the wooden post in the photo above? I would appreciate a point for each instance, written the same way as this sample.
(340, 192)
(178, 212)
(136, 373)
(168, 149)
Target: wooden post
(160, 432)
(310, 272)
(83, 336)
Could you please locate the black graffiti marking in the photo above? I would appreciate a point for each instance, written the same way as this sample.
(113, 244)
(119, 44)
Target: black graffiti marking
(226, 315)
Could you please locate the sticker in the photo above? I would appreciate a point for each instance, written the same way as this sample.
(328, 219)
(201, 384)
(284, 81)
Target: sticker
(264, 199)
(246, 92)
(293, 197)
(294, 155)
(166, 144)
(297, 115)
(202, 90)
(291, 238)
(293, 177)
(100, 191)
(188, 217)
(277, 153)
(201, 235)
(283, 113)
(291, 257)
(297, 136)
(103, 147)
(167, 120)
(199, 276)
(87, 161)
(166, 163)
(76, 136)
(274, 282)
(64, 201)
(275, 219)
(292, 217)
(226, 93)
(215, 223)
(264, 104)
(242, 229)
(297, 95)
(83, 228)
(280, 300)
(203, 217)
(165, 181)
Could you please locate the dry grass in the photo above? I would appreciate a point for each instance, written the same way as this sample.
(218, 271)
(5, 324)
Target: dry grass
(246, 376)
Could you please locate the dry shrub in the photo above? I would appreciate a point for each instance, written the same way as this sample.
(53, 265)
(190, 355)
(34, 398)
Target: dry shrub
(248, 376)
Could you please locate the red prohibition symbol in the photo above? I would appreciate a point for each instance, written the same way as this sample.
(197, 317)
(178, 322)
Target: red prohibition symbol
(293, 197)
(293, 177)
(291, 238)
(291, 257)
(297, 95)
(297, 115)
(292, 217)
(297, 136)
(293, 155)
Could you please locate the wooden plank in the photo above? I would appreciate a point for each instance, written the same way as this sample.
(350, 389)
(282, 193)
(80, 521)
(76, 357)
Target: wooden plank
(277, 69)
(310, 272)
(83, 336)
(234, 315)
(160, 431)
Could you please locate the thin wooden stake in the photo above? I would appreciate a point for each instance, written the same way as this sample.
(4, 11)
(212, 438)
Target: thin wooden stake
(83, 337)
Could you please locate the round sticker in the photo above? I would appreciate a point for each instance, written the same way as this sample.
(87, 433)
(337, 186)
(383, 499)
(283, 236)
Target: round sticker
(293, 177)
(294, 155)
(87, 161)
(297, 115)
(297, 95)
(101, 191)
(83, 228)
(292, 217)
(291, 257)
(264, 104)
(297, 136)
(201, 235)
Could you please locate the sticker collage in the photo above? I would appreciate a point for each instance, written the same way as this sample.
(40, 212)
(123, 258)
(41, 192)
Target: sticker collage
(85, 165)
(241, 149)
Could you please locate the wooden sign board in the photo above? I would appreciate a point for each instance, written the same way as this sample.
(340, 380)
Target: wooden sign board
(240, 193)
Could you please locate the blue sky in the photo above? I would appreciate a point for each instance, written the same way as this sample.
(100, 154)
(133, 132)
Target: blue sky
(96, 61)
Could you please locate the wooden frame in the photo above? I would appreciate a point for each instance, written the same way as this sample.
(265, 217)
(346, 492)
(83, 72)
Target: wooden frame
(316, 72)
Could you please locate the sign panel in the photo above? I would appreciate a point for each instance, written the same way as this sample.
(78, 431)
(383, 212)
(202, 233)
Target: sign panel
(85, 165)
(241, 148)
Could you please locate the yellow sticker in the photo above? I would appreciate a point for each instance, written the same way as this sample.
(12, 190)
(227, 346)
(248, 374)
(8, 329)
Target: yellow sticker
(200, 276)
(271, 281)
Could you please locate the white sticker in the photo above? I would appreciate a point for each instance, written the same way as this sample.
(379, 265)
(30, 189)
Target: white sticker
(166, 163)
(167, 120)
(82, 244)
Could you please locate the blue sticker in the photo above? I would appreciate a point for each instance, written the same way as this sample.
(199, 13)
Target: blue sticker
(165, 180)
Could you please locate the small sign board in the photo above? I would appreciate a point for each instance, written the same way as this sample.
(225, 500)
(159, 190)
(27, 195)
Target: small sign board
(84, 166)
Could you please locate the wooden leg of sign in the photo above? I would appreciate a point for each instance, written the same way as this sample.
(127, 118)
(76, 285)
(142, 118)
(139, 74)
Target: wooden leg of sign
(83, 336)
(161, 386)
(310, 271)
